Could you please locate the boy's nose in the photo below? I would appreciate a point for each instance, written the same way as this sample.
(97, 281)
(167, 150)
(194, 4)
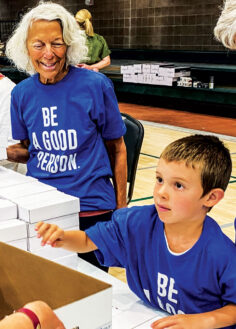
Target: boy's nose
(162, 192)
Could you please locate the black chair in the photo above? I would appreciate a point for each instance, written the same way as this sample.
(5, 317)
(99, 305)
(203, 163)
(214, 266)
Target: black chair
(133, 141)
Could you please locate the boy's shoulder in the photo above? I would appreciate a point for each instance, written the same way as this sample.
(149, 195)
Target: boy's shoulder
(136, 215)
(139, 210)
(218, 243)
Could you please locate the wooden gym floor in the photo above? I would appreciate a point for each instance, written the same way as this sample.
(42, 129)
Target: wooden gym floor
(161, 127)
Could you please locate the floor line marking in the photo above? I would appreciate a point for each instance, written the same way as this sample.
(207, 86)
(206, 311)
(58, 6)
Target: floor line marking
(150, 155)
(146, 168)
(227, 225)
(141, 199)
(202, 132)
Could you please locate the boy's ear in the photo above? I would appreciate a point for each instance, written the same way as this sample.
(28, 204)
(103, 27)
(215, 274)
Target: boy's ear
(213, 197)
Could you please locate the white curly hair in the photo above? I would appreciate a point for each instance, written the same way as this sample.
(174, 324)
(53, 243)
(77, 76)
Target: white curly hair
(74, 38)
(225, 29)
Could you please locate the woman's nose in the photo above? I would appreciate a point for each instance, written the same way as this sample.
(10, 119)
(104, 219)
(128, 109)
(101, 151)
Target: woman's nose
(48, 52)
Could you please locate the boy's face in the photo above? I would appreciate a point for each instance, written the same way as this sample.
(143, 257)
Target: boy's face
(177, 193)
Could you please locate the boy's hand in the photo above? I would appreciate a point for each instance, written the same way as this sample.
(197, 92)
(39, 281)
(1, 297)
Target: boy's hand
(51, 234)
(181, 321)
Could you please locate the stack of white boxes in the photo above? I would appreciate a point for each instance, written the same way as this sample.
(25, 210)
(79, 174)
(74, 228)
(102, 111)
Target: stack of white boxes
(165, 74)
(23, 202)
(3, 141)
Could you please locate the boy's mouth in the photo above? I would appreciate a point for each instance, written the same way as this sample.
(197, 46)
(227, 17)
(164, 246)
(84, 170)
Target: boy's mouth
(162, 208)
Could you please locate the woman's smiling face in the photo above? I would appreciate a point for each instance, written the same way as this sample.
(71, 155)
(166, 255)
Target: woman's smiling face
(47, 50)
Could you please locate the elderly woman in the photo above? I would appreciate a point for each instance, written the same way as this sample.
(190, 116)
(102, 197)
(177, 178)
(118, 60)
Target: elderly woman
(66, 118)
(98, 51)
(225, 29)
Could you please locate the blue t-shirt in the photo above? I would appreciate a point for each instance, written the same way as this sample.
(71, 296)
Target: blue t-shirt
(200, 280)
(67, 124)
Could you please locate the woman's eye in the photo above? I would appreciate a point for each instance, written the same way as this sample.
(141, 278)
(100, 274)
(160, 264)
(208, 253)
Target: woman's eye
(179, 186)
(38, 46)
(57, 45)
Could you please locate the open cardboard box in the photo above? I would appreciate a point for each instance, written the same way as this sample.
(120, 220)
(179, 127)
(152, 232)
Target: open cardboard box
(78, 300)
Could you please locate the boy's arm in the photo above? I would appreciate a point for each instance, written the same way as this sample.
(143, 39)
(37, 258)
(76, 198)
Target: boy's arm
(220, 318)
(53, 235)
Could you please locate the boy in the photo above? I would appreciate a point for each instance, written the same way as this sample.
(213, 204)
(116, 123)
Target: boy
(176, 257)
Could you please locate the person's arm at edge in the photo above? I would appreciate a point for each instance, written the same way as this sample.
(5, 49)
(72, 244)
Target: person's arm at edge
(18, 152)
(106, 61)
(47, 318)
(118, 158)
(220, 318)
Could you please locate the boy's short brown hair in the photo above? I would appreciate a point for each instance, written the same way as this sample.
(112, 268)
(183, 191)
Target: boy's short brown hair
(207, 151)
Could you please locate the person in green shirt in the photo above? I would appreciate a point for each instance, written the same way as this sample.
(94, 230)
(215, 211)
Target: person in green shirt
(98, 51)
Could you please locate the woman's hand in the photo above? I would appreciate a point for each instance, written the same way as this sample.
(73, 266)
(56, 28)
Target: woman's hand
(51, 234)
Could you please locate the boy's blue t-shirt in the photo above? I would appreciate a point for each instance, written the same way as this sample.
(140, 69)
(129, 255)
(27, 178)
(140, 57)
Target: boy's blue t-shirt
(200, 280)
(66, 123)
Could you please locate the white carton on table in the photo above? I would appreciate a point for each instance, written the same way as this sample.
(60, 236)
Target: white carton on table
(51, 253)
(8, 210)
(21, 244)
(9, 177)
(62, 221)
(43, 206)
(3, 153)
(12, 229)
(18, 191)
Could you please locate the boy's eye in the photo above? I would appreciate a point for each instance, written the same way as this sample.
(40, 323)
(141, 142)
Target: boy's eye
(159, 180)
(179, 186)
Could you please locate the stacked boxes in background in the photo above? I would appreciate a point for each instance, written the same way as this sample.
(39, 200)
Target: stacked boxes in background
(165, 74)
(3, 143)
(23, 202)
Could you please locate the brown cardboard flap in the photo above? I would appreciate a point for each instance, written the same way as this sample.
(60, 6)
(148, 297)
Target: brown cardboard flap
(26, 277)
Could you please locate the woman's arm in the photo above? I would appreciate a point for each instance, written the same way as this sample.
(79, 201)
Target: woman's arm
(117, 154)
(18, 152)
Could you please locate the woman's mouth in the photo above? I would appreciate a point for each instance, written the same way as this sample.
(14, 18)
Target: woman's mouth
(48, 66)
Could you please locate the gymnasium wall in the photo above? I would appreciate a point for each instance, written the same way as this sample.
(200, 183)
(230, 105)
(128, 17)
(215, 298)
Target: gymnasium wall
(155, 24)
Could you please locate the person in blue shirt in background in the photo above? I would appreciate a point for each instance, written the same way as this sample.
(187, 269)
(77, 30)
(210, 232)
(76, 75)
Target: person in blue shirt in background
(177, 259)
(66, 118)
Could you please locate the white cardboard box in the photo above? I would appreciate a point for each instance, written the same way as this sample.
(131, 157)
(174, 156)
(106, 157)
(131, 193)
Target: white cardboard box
(18, 191)
(21, 244)
(8, 210)
(48, 205)
(3, 153)
(12, 229)
(79, 300)
(63, 222)
(9, 177)
(50, 253)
